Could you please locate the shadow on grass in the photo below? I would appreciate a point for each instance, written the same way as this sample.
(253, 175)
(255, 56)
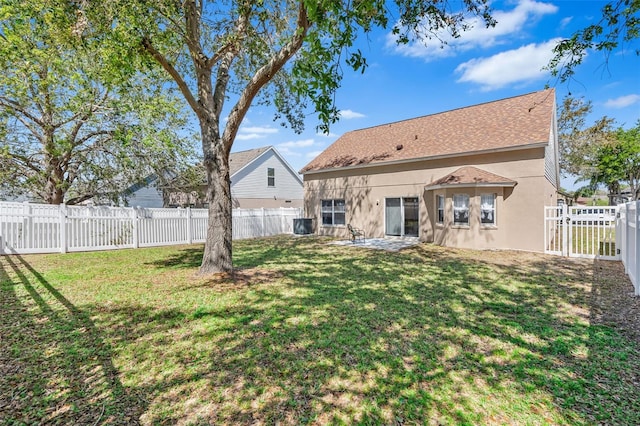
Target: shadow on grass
(426, 334)
(423, 334)
(341, 334)
(56, 367)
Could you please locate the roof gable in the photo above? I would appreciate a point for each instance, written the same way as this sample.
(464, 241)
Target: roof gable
(513, 123)
(470, 176)
(238, 160)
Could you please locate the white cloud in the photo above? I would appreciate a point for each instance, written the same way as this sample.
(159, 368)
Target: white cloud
(565, 22)
(248, 136)
(622, 101)
(347, 114)
(508, 23)
(327, 135)
(258, 129)
(313, 154)
(297, 144)
(521, 65)
(254, 132)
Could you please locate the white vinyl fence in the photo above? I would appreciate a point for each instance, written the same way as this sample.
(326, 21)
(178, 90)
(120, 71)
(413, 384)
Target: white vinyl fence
(43, 228)
(581, 231)
(629, 241)
(610, 233)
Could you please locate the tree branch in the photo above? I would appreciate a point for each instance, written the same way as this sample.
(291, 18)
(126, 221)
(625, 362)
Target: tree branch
(79, 199)
(31, 129)
(265, 74)
(14, 105)
(218, 55)
(227, 54)
(168, 67)
(90, 135)
(26, 161)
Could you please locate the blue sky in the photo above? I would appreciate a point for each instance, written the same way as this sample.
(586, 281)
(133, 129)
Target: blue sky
(483, 65)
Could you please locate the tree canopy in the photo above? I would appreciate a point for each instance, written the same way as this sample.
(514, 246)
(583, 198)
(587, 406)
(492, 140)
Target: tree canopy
(598, 154)
(618, 162)
(74, 126)
(288, 53)
(617, 29)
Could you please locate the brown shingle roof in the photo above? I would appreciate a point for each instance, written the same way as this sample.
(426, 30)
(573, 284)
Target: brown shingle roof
(504, 124)
(468, 175)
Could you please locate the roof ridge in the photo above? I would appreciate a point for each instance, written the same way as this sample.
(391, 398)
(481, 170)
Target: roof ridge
(252, 149)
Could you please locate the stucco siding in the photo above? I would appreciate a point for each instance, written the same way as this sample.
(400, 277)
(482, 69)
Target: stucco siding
(519, 210)
(251, 182)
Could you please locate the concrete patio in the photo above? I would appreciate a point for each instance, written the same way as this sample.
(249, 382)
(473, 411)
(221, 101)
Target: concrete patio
(389, 244)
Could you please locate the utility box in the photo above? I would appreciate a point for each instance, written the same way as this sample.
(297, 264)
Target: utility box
(303, 226)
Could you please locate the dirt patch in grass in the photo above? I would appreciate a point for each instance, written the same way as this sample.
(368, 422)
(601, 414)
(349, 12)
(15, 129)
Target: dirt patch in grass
(612, 299)
(241, 278)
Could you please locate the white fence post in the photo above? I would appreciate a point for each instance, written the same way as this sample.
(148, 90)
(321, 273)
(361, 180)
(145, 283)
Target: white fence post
(135, 226)
(189, 227)
(565, 230)
(28, 231)
(63, 228)
(636, 261)
(49, 229)
(627, 239)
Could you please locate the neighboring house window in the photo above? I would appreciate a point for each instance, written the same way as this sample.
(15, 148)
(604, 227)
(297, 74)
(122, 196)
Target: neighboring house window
(461, 209)
(488, 209)
(333, 212)
(271, 176)
(440, 207)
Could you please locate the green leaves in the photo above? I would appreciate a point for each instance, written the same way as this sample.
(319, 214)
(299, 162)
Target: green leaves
(618, 26)
(619, 161)
(75, 126)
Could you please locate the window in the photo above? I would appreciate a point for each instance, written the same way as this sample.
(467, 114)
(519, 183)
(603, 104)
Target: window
(271, 176)
(440, 208)
(488, 209)
(333, 212)
(461, 209)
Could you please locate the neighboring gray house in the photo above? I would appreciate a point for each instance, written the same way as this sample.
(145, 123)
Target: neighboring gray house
(146, 195)
(260, 177)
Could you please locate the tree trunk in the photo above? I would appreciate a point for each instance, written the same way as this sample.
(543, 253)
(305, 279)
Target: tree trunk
(53, 191)
(218, 245)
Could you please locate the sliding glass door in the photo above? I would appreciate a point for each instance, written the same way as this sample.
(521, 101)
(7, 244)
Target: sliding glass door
(401, 216)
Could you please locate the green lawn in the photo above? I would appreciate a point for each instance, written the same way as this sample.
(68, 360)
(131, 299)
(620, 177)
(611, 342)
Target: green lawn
(588, 240)
(311, 333)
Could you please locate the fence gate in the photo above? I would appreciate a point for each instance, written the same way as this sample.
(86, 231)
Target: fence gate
(579, 231)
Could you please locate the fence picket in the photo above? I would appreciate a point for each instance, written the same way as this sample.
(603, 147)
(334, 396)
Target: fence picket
(629, 225)
(41, 228)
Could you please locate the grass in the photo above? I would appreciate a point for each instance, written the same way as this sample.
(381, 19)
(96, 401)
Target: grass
(311, 333)
(589, 240)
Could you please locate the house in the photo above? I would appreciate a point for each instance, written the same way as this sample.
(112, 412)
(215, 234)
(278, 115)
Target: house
(475, 177)
(146, 194)
(260, 177)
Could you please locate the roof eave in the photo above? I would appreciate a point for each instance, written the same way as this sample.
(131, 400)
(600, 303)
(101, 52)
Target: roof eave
(471, 185)
(433, 157)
